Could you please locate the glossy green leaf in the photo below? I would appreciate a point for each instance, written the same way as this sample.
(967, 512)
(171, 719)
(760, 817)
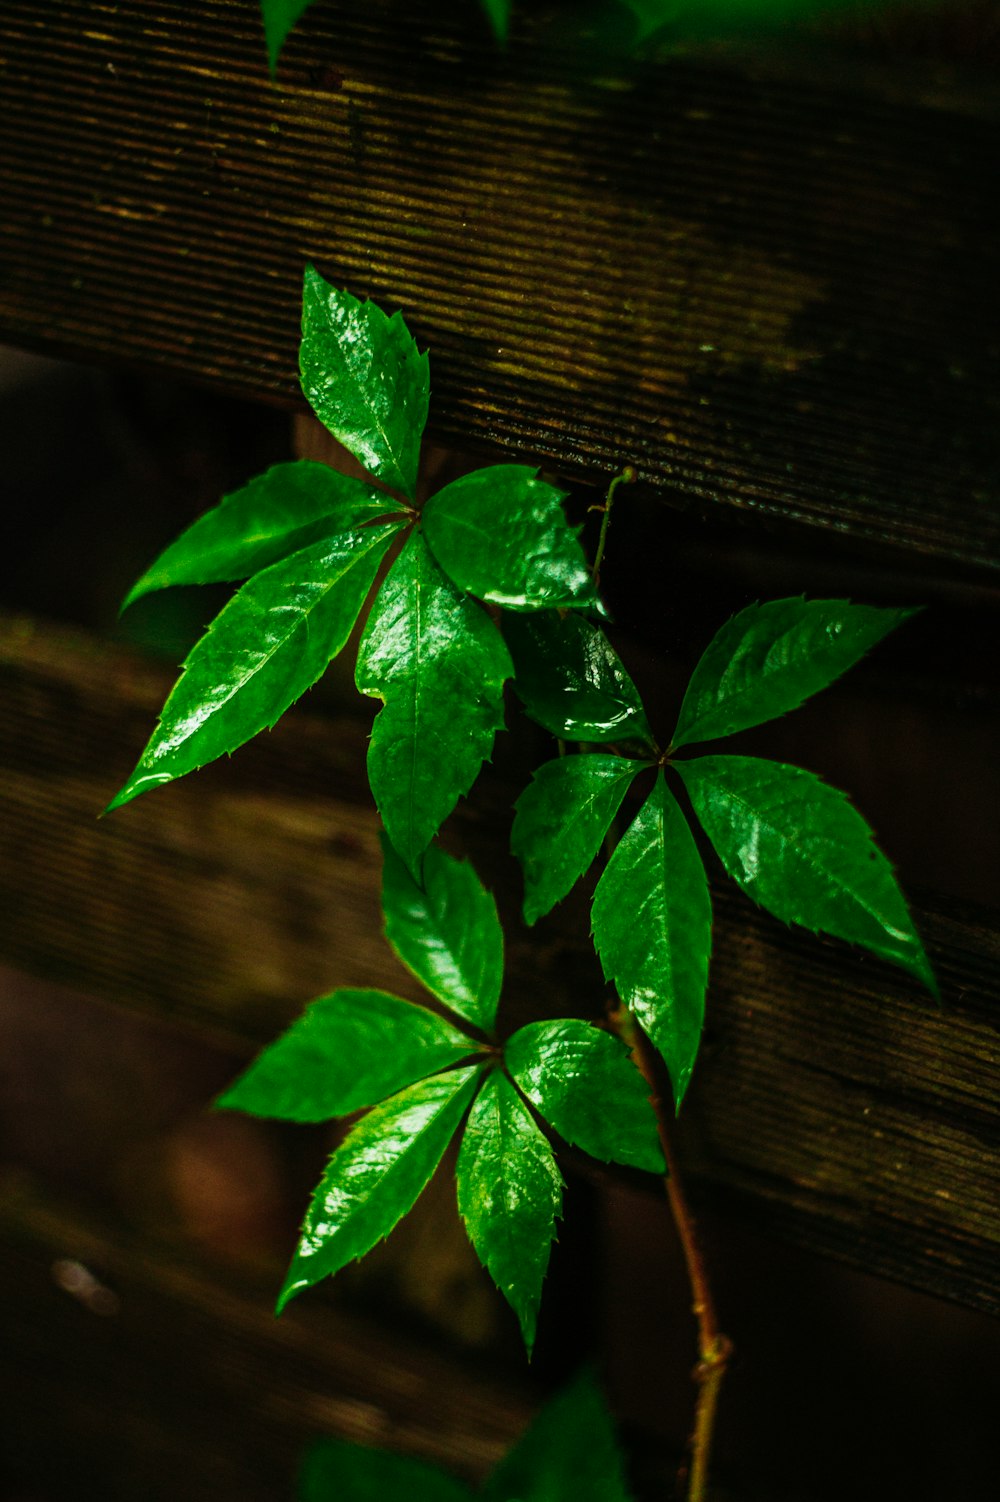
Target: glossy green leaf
(569, 1454)
(502, 535)
(561, 820)
(347, 1051)
(584, 1083)
(769, 658)
(446, 931)
(498, 15)
(439, 663)
(570, 679)
(336, 1471)
(279, 17)
(364, 378)
(376, 1174)
(270, 643)
(509, 1195)
(278, 513)
(798, 848)
(652, 922)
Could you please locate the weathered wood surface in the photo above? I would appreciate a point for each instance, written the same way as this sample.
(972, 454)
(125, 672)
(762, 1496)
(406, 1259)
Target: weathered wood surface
(771, 293)
(834, 1102)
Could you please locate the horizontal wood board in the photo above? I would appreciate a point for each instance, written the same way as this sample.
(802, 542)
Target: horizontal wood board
(767, 292)
(834, 1102)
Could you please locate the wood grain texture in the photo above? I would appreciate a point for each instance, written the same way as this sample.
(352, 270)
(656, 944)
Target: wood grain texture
(766, 292)
(834, 1102)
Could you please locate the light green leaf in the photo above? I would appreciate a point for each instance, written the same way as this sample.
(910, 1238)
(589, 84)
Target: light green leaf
(585, 1085)
(510, 1196)
(364, 378)
(569, 1454)
(652, 922)
(446, 931)
(279, 17)
(336, 1471)
(347, 1051)
(278, 513)
(769, 658)
(798, 848)
(376, 1174)
(560, 821)
(498, 15)
(439, 663)
(264, 649)
(501, 533)
(570, 679)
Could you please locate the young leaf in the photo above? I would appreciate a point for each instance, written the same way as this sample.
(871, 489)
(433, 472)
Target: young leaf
(278, 513)
(364, 378)
(264, 649)
(560, 820)
(501, 533)
(569, 1454)
(347, 1051)
(509, 1195)
(279, 18)
(439, 663)
(570, 679)
(769, 658)
(652, 922)
(336, 1471)
(798, 848)
(585, 1085)
(446, 931)
(375, 1175)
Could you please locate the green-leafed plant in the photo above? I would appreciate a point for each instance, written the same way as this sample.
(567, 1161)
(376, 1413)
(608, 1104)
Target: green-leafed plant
(310, 544)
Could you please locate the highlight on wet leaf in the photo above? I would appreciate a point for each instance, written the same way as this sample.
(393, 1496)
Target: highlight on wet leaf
(446, 930)
(798, 847)
(652, 925)
(772, 656)
(570, 679)
(583, 1082)
(510, 1196)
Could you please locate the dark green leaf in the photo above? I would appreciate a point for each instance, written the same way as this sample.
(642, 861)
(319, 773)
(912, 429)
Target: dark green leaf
(570, 1454)
(270, 643)
(502, 534)
(561, 819)
(652, 921)
(569, 679)
(376, 1174)
(365, 380)
(347, 1051)
(586, 1086)
(798, 848)
(498, 14)
(439, 663)
(335, 1471)
(509, 1195)
(770, 657)
(446, 931)
(278, 513)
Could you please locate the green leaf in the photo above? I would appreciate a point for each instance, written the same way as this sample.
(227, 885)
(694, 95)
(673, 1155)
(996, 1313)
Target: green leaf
(347, 1051)
(264, 649)
(446, 931)
(560, 821)
(769, 658)
(569, 1454)
(585, 1085)
(279, 18)
(569, 679)
(509, 1195)
(652, 922)
(498, 15)
(364, 378)
(376, 1174)
(335, 1471)
(501, 533)
(797, 847)
(439, 663)
(278, 513)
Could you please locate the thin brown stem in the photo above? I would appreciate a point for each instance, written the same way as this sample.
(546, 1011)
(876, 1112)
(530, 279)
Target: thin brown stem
(626, 477)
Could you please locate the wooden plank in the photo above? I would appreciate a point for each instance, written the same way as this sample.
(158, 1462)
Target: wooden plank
(834, 1103)
(767, 292)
